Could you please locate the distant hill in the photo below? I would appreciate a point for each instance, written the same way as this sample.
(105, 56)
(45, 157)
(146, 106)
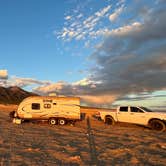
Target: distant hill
(13, 95)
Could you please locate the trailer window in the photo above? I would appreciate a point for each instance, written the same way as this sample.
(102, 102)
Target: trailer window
(35, 106)
(47, 105)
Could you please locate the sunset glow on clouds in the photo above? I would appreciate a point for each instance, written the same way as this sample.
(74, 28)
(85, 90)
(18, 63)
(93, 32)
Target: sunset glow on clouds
(119, 47)
(3, 74)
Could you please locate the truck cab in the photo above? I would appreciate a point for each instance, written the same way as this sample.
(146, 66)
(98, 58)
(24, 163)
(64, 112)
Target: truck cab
(132, 114)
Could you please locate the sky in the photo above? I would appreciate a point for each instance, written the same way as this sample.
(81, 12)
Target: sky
(107, 52)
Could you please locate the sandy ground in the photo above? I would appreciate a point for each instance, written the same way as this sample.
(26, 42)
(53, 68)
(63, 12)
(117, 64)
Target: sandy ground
(89, 142)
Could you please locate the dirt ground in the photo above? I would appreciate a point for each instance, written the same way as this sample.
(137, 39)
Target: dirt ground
(89, 142)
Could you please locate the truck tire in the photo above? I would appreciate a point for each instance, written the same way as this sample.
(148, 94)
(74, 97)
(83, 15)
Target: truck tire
(62, 121)
(52, 121)
(109, 120)
(157, 125)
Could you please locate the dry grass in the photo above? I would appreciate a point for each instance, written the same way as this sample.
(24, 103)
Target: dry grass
(41, 144)
(8, 107)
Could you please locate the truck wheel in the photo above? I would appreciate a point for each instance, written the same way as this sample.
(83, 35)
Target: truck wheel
(52, 121)
(109, 121)
(157, 125)
(62, 121)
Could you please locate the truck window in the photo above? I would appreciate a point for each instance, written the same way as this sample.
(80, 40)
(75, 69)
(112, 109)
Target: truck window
(146, 109)
(47, 106)
(35, 106)
(124, 109)
(135, 109)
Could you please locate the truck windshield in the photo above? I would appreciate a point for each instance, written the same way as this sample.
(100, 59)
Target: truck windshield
(146, 109)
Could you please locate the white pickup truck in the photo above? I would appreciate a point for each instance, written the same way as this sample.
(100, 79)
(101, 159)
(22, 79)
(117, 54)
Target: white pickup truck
(137, 115)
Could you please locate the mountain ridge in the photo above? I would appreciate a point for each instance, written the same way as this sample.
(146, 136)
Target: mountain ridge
(13, 95)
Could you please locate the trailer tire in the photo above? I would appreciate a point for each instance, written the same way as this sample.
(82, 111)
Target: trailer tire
(109, 120)
(62, 122)
(157, 125)
(52, 121)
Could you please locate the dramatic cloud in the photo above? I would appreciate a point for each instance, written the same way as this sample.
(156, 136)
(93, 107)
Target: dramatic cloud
(64, 88)
(52, 88)
(3, 74)
(82, 88)
(132, 59)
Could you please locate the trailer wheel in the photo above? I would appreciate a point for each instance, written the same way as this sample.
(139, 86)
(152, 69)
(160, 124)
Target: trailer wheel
(62, 121)
(157, 125)
(52, 121)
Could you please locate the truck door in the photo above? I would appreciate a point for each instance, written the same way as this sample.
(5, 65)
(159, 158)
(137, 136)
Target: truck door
(123, 114)
(137, 116)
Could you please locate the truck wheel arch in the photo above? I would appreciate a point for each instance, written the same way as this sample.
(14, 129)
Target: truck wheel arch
(109, 120)
(157, 124)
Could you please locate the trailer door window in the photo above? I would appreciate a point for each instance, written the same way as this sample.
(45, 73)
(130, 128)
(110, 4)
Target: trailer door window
(35, 106)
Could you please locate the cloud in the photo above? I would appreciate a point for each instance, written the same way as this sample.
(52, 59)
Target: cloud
(23, 82)
(126, 30)
(83, 82)
(84, 88)
(78, 27)
(67, 17)
(103, 11)
(132, 59)
(80, 15)
(142, 96)
(64, 88)
(3, 74)
(94, 100)
(51, 88)
(116, 13)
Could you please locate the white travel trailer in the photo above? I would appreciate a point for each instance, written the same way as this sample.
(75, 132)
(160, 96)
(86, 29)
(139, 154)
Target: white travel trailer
(57, 110)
